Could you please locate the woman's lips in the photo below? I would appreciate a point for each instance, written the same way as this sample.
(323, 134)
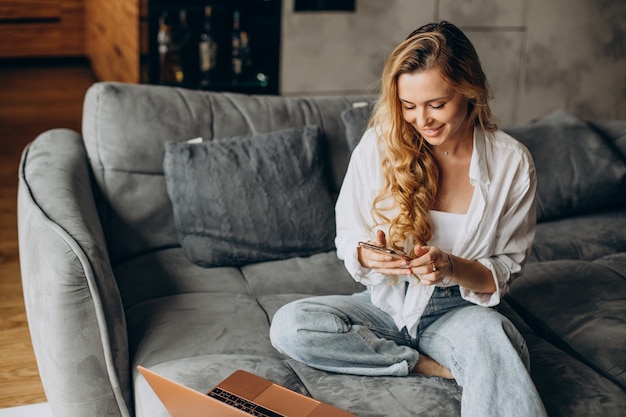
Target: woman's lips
(431, 132)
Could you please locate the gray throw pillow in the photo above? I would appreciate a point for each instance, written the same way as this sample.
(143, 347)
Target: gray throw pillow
(355, 120)
(577, 170)
(251, 198)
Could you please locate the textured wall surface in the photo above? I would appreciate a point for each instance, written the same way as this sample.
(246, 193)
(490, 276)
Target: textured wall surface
(539, 55)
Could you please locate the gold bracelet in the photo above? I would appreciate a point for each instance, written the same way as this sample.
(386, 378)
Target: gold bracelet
(451, 264)
(449, 277)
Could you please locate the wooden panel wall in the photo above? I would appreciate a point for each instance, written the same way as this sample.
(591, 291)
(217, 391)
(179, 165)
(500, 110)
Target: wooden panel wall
(41, 28)
(112, 39)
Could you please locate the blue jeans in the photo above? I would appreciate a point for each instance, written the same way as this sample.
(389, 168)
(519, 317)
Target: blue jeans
(483, 350)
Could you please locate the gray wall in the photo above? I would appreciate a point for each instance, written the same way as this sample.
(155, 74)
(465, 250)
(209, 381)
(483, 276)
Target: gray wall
(539, 55)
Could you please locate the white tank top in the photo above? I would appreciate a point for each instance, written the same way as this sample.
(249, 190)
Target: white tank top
(446, 229)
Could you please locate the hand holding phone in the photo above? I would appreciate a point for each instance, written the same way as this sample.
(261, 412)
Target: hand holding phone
(387, 251)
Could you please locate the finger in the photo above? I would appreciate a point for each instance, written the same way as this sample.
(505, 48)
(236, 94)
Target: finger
(424, 262)
(421, 250)
(382, 261)
(380, 240)
(393, 271)
(428, 279)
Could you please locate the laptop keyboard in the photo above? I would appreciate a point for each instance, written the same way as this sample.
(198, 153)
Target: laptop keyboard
(242, 404)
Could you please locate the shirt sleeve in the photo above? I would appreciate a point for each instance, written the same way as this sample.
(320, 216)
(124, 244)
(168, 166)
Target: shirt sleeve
(515, 232)
(353, 215)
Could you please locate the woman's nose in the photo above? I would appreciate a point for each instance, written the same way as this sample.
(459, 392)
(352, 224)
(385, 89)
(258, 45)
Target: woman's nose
(422, 118)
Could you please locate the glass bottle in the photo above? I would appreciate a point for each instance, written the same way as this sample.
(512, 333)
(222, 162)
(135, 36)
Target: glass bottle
(236, 61)
(164, 40)
(182, 43)
(169, 57)
(246, 56)
(207, 49)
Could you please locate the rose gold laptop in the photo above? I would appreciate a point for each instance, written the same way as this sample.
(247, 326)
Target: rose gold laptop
(241, 394)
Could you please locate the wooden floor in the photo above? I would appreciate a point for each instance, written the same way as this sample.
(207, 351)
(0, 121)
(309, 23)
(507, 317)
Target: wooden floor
(34, 97)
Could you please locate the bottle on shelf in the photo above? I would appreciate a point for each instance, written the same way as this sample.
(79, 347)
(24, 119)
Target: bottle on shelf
(182, 42)
(169, 55)
(237, 39)
(242, 62)
(236, 60)
(164, 40)
(207, 49)
(246, 56)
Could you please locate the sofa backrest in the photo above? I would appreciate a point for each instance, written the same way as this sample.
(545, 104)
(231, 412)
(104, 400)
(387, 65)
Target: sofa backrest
(125, 128)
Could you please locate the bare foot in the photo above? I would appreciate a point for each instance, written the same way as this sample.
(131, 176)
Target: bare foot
(430, 367)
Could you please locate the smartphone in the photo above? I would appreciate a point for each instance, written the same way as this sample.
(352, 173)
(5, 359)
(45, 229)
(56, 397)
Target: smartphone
(394, 253)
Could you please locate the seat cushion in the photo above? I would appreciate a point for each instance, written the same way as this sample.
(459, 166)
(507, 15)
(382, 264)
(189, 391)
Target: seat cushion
(168, 272)
(368, 396)
(318, 274)
(567, 386)
(579, 306)
(188, 325)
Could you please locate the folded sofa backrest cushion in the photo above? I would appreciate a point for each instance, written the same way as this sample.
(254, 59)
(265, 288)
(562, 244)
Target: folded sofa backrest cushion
(614, 132)
(252, 198)
(577, 170)
(355, 120)
(125, 127)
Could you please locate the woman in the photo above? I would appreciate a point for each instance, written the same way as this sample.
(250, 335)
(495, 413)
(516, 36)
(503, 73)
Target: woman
(434, 178)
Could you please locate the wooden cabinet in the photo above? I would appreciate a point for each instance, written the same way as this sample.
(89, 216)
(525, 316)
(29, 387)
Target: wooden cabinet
(113, 38)
(111, 33)
(41, 28)
(119, 37)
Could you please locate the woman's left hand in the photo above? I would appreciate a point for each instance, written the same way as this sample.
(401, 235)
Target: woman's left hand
(432, 265)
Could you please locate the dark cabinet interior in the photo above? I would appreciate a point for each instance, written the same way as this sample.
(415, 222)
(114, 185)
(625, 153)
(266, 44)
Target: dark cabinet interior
(218, 45)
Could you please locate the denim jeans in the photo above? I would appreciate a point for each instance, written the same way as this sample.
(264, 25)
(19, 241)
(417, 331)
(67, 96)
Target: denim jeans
(484, 351)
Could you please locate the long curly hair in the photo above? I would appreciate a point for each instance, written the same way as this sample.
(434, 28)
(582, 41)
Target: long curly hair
(408, 165)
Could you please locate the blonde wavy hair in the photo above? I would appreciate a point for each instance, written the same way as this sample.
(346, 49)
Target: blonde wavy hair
(408, 165)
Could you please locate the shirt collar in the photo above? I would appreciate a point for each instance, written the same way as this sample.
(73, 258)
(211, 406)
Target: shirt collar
(479, 172)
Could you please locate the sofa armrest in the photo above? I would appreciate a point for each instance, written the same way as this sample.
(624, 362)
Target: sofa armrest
(73, 305)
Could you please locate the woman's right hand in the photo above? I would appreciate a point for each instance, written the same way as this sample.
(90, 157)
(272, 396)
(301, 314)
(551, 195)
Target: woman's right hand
(381, 262)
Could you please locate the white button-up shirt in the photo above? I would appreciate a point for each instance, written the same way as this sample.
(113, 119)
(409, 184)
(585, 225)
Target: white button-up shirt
(498, 231)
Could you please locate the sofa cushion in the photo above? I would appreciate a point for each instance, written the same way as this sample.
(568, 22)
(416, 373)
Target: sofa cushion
(579, 386)
(125, 127)
(586, 237)
(579, 306)
(197, 324)
(318, 274)
(168, 272)
(251, 198)
(577, 170)
(387, 396)
(614, 131)
(355, 120)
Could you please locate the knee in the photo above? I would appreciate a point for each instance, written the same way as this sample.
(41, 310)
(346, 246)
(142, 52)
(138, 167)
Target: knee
(301, 324)
(497, 335)
(283, 328)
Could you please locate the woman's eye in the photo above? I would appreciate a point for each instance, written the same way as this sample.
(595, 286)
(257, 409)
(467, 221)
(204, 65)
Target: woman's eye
(438, 106)
(407, 107)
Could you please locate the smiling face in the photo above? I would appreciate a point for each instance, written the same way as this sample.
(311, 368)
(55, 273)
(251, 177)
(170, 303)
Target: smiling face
(437, 111)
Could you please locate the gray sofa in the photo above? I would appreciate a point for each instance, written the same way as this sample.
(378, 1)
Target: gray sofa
(112, 280)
